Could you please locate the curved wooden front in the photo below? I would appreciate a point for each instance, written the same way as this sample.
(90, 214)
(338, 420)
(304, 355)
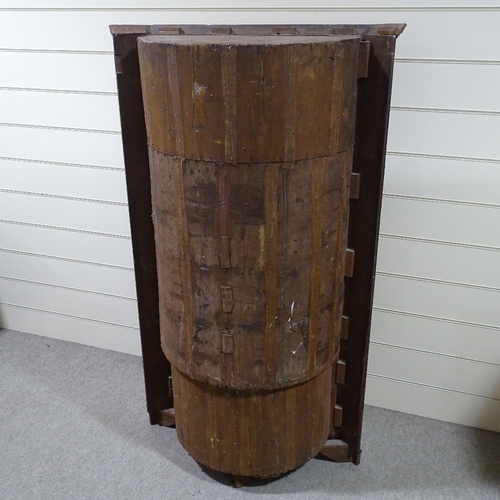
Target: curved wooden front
(252, 433)
(250, 157)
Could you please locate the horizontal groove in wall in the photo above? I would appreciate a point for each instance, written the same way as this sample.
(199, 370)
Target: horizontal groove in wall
(431, 353)
(61, 129)
(428, 386)
(439, 242)
(444, 157)
(436, 318)
(57, 91)
(446, 110)
(441, 200)
(64, 315)
(269, 8)
(438, 282)
(403, 60)
(424, 60)
(62, 197)
(69, 288)
(60, 228)
(60, 163)
(66, 259)
(60, 51)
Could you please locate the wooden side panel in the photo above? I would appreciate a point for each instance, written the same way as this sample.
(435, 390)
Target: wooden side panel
(369, 159)
(156, 366)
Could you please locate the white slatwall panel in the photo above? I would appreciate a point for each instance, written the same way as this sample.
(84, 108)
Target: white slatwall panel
(60, 179)
(65, 256)
(60, 110)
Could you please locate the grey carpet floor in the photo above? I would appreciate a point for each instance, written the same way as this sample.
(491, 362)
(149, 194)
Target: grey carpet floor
(74, 426)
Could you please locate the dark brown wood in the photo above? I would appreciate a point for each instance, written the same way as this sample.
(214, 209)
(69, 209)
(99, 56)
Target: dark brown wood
(344, 332)
(355, 185)
(240, 481)
(371, 124)
(369, 160)
(267, 192)
(341, 368)
(250, 249)
(156, 366)
(207, 88)
(338, 414)
(167, 417)
(288, 426)
(364, 59)
(349, 262)
(336, 450)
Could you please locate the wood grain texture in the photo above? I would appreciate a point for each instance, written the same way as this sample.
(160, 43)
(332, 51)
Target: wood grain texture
(250, 157)
(281, 298)
(269, 232)
(252, 433)
(248, 99)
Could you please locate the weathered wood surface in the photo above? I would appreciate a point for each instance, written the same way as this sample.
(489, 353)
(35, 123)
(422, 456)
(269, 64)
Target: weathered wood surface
(250, 150)
(372, 119)
(261, 99)
(252, 433)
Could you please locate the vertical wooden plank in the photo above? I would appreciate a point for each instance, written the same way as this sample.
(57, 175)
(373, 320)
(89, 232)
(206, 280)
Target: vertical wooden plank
(372, 118)
(271, 265)
(156, 367)
(318, 172)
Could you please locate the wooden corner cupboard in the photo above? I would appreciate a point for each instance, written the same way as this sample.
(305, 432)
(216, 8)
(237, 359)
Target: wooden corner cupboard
(254, 159)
